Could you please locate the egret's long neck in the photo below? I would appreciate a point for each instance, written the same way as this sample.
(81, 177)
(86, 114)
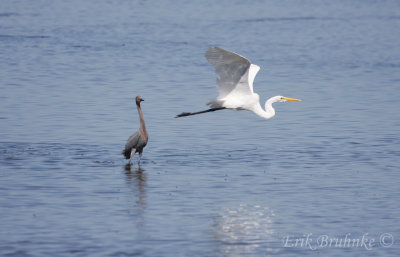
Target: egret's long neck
(269, 111)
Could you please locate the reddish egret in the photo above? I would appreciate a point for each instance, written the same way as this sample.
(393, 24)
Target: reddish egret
(137, 141)
(235, 75)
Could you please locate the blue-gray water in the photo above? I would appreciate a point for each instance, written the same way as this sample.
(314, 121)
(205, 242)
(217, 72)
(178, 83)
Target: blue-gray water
(219, 184)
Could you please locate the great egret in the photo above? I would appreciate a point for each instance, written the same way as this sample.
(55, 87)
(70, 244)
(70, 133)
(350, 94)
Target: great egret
(137, 141)
(235, 76)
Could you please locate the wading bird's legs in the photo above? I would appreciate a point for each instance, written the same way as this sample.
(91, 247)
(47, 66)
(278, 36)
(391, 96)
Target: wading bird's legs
(140, 156)
(133, 151)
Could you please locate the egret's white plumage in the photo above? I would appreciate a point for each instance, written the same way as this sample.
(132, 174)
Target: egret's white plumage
(235, 76)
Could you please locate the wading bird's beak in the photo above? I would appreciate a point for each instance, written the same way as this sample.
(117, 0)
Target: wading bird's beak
(291, 99)
(141, 99)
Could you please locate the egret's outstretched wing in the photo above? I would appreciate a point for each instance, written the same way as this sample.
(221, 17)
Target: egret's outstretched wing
(233, 72)
(252, 72)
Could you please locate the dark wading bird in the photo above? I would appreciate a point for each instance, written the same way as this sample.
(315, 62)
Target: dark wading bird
(137, 141)
(235, 76)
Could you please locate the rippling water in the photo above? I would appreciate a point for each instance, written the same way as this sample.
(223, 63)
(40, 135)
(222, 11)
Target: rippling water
(220, 184)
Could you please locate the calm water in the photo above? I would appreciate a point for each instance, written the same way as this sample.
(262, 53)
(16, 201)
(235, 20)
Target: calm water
(320, 178)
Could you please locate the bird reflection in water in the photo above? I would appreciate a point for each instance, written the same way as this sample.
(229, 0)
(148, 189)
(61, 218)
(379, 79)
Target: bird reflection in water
(136, 177)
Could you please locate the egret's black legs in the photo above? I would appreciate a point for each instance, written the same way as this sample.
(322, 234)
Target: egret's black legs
(183, 114)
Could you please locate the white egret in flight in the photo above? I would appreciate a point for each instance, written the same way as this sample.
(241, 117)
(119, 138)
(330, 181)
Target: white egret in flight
(235, 76)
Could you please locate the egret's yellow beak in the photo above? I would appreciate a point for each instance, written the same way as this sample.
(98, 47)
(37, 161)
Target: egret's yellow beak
(290, 99)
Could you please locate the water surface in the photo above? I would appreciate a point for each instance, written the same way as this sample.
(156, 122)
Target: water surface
(220, 184)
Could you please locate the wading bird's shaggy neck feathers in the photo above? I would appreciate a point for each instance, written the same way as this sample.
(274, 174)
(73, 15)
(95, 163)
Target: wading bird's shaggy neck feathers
(142, 128)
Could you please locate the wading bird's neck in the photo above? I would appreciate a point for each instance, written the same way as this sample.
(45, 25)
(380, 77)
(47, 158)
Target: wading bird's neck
(142, 124)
